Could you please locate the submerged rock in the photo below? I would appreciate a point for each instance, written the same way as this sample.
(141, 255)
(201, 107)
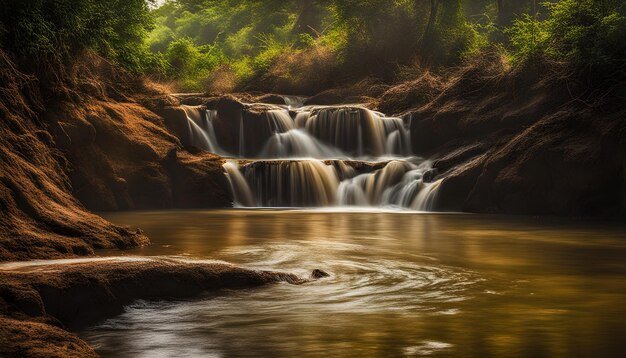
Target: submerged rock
(317, 273)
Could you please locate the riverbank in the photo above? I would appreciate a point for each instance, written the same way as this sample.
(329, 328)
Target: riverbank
(42, 302)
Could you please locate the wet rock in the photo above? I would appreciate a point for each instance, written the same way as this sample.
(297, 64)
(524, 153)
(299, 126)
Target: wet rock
(229, 106)
(317, 274)
(458, 156)
(197, 181)
(232, 114)
(270, 98)
(566, 164)
(430, 175)
(34, 303)
(40, 340)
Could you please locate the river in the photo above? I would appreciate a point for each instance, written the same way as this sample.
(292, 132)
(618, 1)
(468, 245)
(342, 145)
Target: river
(401, 283)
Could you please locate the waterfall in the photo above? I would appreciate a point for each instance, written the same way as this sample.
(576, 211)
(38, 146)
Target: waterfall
(280, 120)
(200, 129)
(314, 156)
(314, 183)
(292, 183)
(355, 130)
(399, 183)
(294, 102)
(426, 199)
(297, 143)
(241, 191)
(196, 135)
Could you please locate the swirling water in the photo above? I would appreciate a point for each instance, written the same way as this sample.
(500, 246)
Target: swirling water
(401, 284)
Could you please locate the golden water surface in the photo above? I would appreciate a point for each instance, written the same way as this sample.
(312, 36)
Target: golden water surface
(401, 284)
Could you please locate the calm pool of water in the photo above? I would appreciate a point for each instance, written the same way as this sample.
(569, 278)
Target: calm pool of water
(401, 284)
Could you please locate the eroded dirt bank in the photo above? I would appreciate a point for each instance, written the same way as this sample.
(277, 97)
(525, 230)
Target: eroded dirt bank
(93, 143)
(38, 304)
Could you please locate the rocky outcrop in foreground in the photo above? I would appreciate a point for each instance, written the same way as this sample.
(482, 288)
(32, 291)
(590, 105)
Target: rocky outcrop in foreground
(38, 304)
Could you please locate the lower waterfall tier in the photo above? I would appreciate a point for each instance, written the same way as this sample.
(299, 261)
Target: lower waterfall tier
(316, 183)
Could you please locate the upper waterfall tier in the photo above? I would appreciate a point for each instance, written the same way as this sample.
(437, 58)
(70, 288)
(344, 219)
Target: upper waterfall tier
(241, 130)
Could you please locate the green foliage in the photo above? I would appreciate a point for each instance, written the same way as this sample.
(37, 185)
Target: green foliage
(584, 33)
(366, 37)
(188, 41)
(189, 63)
(245, 36)
(243, 68)
(55, 30)
(454, 36)
(529, 38)
(588, 32)
(376, 32)
(270, 50)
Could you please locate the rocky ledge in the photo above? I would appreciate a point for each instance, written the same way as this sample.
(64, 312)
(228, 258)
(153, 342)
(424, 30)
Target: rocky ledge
(40, 301)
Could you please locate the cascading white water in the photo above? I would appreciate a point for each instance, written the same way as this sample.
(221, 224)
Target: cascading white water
(299, 144)
(240, 189)
(294, 102)
(427, 197)
(302, 183)
(314, 183)
(307, 157)
(280, 120)
(399, 183)
(356, 130)
(200, 130)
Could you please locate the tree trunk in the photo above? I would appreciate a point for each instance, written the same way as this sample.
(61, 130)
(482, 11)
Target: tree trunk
(428, 31)
(308, 18)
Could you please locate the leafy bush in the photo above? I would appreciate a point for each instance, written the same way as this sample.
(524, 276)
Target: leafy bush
(588, 32)
(190, 64)
(529, 38)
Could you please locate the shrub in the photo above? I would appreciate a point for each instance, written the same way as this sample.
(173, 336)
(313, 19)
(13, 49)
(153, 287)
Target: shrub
(529, 38)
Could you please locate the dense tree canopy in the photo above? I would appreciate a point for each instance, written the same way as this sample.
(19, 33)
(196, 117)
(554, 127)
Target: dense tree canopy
(35, 30)
(196, 43)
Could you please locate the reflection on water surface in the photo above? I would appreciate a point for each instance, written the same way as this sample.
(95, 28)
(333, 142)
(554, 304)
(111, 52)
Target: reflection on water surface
(402, 284)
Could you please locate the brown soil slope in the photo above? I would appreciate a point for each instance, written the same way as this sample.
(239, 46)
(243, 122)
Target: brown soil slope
(97, 140)
(40, 217)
